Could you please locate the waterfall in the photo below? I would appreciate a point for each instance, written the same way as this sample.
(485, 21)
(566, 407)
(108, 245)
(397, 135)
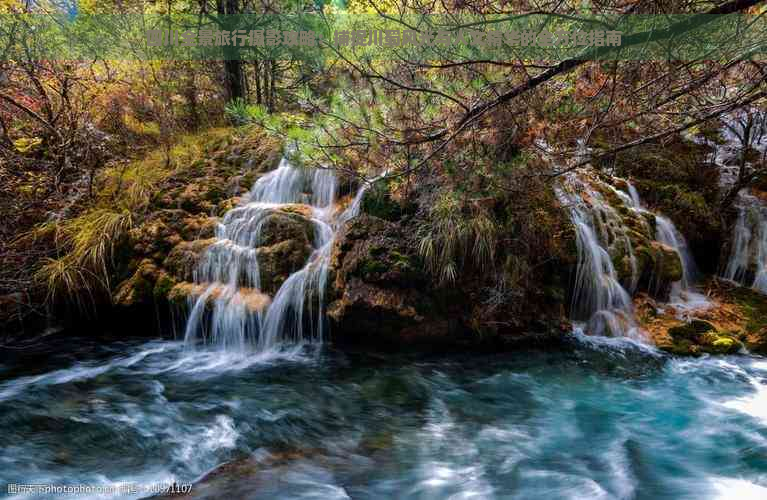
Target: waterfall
(747, 262)
(598, 297)
(747, 259)
(231, 312)
(684, 297)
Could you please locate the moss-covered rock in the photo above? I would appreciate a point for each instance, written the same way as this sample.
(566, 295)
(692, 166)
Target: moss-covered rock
(668, 265)
(139, 288)
(278, 261)
(183, 259)
(698, 337)
(720, 344)
(378, 286)
(163, 286)
(692, 331)
(286, 225)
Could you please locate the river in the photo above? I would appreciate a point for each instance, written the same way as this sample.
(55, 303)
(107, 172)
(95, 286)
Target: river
(596, 419)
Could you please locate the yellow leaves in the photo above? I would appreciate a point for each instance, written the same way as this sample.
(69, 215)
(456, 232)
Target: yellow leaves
(141, 128)
(26, 144)
(366, 7)
(8, 6)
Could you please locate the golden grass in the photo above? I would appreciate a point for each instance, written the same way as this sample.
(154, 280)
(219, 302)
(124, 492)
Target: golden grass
(454, 235)
(86, 245)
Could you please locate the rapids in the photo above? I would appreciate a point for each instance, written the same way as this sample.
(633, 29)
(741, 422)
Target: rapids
(605, 419)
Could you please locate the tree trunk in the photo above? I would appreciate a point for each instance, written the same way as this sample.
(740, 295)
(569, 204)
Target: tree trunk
(257, 66)
(273, 70)
(233, 74)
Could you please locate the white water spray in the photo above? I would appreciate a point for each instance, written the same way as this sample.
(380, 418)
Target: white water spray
(747, 263)
(683, 297)
(747, 260)
(231, 312)
(598, 296)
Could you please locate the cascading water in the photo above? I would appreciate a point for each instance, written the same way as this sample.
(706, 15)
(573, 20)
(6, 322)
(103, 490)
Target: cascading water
(598, 296)
(747, 263)
(744, 130)
(231, 312)
(683, 296)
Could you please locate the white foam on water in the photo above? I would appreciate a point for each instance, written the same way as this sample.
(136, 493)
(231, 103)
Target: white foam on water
(294, 317)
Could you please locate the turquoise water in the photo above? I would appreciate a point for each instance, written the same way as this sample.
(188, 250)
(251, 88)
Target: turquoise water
(595, 420)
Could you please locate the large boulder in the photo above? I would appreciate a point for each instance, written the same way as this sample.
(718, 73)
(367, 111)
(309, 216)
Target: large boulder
(278, 261)
(284, 246)
(147, 284)
(668, 265)
(379, 291)
(286, 225)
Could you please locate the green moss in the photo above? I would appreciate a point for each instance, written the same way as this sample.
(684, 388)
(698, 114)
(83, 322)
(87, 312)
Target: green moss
(680, 347)
(724, 345)
(754, 305)
(376, 250)
(691, 330)
(163, 287)
(372, 266)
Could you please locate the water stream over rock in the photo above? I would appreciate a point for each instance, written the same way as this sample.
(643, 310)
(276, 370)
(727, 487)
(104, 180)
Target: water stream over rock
(234, 311)
(608, 224)
(747, 262)
(744, 132)
(598, 297)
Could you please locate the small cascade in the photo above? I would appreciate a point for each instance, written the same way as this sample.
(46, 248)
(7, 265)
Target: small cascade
(230, 311)
(598, 297)
(747, 259)
(604, 216)
(747, 262)
(683, 297)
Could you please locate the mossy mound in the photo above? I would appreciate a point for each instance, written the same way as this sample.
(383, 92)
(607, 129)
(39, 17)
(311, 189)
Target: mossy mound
(701, 337)
(677, 179)
(692, 330)
(203, 177)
